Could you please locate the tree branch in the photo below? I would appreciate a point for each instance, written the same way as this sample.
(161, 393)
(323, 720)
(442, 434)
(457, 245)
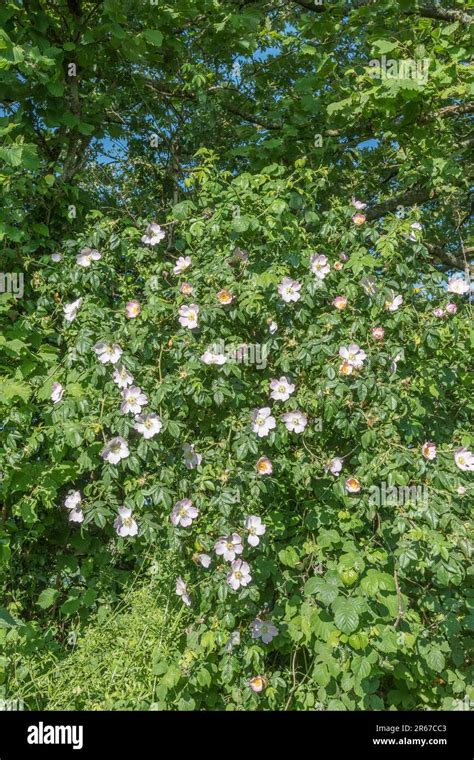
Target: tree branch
(410, 198)
(426, 11)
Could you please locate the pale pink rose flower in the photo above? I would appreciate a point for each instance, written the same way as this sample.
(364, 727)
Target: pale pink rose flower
(264, 630)
(429, 450)
(122, 377)
(191, 458)
(188, 316)
(255, 529)
(115, 450)
(132, 309)
(295, 421)
(208, 357)
(353, 485)
(153, 234)
(148, 425)
(107, 353)
(73, 503)
(281, 389)
(378, 333)
(358, 219)
(335, 466)
(393, 302)
(76, 516)
(458, 285)
(225, 297)
(183, 263)
(289, 290)
(186, 289)
(359, 205)
(438, 312)
(87, 256)
(73, 499)
(229, 546)
(183, 514)
(257, 684)
(451, 308)
(57, 392)
(204, 560)
(239, 575)
(346, 368)
(71, 309)
(464, 459)
(340, 302)
(264, 466)
(353, 355)
(133, 400)
(319, 266)
(182, 591)
(124, 524)
(262, 421)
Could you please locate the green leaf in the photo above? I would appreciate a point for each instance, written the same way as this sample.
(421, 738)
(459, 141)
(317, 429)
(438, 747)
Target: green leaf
(240, 223)
(71, 605)
(321, 674)
(384, 46)
(345, 615)
(6, 620)
(325, 592)
(182, 210)
(172, 676)
(153, 36)
(435, 659)
(12, 154)
(361, 667)
(10, 389)
(340, 105)
(47, 598)
(56, 89)
(204, 677)
(289, 557)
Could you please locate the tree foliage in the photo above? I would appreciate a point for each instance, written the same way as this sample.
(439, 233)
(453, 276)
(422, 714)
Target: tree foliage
(269, 140)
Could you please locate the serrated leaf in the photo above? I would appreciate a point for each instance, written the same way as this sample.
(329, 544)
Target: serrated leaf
(346, 616)
(153, 36)
(47, 598)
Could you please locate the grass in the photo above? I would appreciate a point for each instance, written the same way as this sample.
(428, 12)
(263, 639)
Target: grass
(111, 664)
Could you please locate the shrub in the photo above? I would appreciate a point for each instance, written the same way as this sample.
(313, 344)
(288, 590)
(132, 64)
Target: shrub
(362, 561)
